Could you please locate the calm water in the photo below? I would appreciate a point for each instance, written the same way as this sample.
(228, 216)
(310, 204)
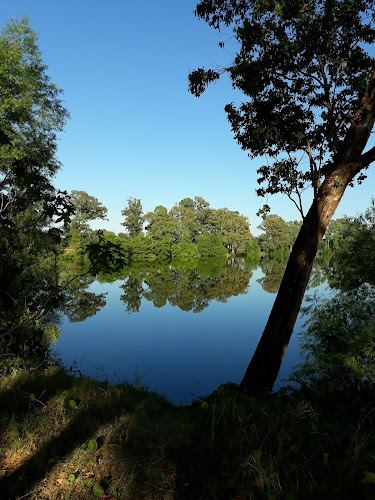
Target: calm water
(181, 332)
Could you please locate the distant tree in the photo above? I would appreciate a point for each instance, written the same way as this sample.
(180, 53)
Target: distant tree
(87, 209)
(275, 233)
(163, 230)
(211, 245)
(202, 212)
(307, 71)
(185, 216)
(337, 230)
(133, 213)
(232, 228)
(294, 227)
(187, 203)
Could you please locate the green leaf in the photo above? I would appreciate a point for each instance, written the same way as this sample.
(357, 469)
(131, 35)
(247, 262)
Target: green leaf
(97, 490)
(256, 455)
(325, 459)
(71, 477)
(32, 397)
(294, 448)
(93, 445)
(204, 405)
(15, 433)
(369, 477)
(72, 403)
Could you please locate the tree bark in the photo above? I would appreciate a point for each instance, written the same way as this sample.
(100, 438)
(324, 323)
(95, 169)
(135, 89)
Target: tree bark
(264, 367)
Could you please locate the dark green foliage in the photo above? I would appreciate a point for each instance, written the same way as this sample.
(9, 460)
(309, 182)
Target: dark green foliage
(133, 213)
(339, 339)
(339, 343)
(78, 232)
(278, 236)
(210, 245)
(31, 115)
(189, 230)
(303, 68)
(354, 246)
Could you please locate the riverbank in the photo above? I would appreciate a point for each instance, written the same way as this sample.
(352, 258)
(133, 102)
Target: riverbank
(72, 437)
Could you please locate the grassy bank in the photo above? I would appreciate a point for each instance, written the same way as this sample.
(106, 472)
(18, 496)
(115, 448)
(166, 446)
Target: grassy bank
(72, 438)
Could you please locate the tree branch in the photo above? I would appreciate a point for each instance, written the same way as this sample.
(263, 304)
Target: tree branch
(367, 157)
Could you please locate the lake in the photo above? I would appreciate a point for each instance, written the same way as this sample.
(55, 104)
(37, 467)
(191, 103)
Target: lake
(179, 329)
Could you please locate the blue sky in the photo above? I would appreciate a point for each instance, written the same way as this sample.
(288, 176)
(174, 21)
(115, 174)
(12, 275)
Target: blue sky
(135, 131)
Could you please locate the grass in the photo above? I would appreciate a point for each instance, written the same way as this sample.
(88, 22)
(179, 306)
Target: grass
(74, 438)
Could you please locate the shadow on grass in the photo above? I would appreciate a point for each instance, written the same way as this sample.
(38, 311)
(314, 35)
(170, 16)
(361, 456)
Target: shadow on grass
(83, 404)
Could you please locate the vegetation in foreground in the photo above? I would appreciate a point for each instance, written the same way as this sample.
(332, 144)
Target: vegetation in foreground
(67, 437)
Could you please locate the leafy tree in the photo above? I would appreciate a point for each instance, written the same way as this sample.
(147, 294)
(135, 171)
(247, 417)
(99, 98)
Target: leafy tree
(210, 245)
(354, 246)
(133, 213)
(87, 208)
(276, 233)
(338, 344)
(185, 216)
(308, 76)
(31, 115)
(202, 212)
(163, 231)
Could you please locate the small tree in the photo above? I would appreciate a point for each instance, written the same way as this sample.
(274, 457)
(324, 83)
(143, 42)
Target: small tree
(133, 213)
(276, 234)
(308, 76)
(87, 208)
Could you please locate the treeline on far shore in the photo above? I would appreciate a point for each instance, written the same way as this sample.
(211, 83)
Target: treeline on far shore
(191, 229)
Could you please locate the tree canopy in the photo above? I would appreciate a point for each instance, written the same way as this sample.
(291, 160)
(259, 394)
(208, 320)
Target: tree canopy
(31, 115)
(303, 68)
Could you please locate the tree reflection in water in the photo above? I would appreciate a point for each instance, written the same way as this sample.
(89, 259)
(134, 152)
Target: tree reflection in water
(189, 286)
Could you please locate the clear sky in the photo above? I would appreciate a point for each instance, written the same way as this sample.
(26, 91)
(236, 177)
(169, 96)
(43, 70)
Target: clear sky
(135, 131)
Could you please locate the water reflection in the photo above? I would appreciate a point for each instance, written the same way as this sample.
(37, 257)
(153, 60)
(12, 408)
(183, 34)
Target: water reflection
(185, 287)
(273, 274)
(77, 303)
(185, 351)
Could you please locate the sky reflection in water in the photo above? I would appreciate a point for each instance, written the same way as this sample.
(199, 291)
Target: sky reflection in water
(175, 352)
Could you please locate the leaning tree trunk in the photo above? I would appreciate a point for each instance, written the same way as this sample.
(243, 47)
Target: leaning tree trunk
(264, 367)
